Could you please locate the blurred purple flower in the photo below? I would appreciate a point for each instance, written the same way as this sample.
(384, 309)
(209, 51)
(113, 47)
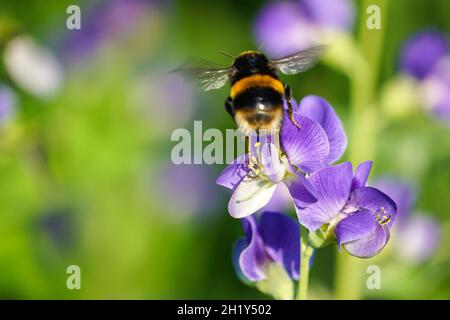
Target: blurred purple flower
(169, 96)
(106, 20)
(189, 190)
(7, 103)
(285, 27)
(282, 28)
(338, 14)
(59, 225)
(435, 89)
(320, 142)
(422, 51)
(361, 216)
(273, 238)
(426, 57)
(418, 239)
(416, 235)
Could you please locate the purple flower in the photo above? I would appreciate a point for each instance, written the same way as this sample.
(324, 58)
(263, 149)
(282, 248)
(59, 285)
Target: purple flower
(272, 239)
(253, 189)
(7, 103)
(320, 141)
(280, 200)
(319, 110)
(361, 217)
(418, 239)
(331, 13)
(285, 27)
(426, 57)
(58, 224)
(435, 89)
(421, 53)
(282, 28)
(154, 94)
(403, 193)
(416, 235)
(105, 21)
(187, 201)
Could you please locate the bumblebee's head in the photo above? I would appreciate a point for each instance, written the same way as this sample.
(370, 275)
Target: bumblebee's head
(252, 61)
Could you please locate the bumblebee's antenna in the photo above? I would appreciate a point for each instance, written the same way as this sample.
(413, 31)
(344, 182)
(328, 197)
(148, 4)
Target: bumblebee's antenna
(227, 54)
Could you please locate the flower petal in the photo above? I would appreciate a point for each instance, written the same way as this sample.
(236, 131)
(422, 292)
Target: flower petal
(355, 226)
(422, 51)
(253, 259)
(319, 110)
(336, 14)
(307, 147)
(250, 195)
(361, 174)
(332, 189)
(232, 175)
(370, 244)
(283, 28)
(281, 199)
(270, 159)
(374, 200)
(301, 190)
(281, 236)
(403, 193)
(238, 247)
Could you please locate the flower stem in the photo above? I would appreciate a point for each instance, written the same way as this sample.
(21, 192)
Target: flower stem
(306, 252)
(363, 79)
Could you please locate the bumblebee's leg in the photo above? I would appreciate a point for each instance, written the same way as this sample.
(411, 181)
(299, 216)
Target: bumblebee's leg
(287, 94)
(249, 149)
(229, 107)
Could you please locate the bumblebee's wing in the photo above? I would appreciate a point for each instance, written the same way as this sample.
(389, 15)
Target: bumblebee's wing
(207, 75)
(210, 79)
(299, 61)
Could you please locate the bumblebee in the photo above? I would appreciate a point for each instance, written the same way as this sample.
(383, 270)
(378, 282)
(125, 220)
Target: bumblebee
(257, 93)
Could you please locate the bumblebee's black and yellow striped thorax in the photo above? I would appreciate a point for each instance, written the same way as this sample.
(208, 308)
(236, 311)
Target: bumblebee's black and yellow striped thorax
(256, 92)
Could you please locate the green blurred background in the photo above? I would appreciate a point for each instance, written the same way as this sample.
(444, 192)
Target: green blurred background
(85, 170)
